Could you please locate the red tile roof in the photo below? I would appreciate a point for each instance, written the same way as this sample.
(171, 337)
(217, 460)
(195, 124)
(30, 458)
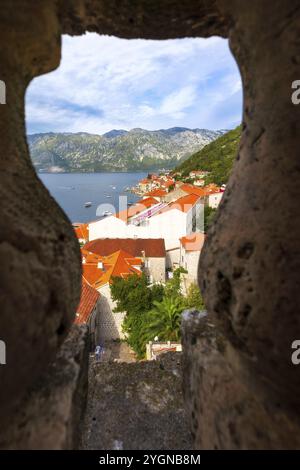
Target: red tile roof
(157, 193)
(183, 204)
(204, 191)
(119, 264)
(140, 206)
(91, 272)
(88, 300)
(81, 230)
(193, 241)
(98, 270)
(147, 202)
(167, 183)
(153, 247)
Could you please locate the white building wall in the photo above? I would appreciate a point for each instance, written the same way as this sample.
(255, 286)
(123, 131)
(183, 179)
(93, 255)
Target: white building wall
(155, 268)
(173, 258)
(191, 261)
(109, 227)
(214, 200)
(170, 226)
(110, 323)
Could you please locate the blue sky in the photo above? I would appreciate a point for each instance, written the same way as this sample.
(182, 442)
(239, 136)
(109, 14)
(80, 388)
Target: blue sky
(106, 83)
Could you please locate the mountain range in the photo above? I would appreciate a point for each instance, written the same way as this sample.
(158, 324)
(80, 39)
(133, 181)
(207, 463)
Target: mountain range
(117, 150)
(217, 157)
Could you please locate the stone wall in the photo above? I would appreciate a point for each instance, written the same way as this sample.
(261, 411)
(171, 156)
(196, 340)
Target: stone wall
(173, 258)
(250, 264)
(51, 414)
(136, 406)
(227, 409)
(156, 267)
(110, 323)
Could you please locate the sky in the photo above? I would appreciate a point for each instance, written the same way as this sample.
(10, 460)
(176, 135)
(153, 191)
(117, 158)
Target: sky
(106, 83)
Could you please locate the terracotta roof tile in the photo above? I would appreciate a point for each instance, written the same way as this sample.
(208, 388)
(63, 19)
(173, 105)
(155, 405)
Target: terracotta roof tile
(88, 300)
(98, 270)
(193, 241)
(153, 247)
(202, 192)
(81, 230)
(157, 193)
(140, 206)
(183, 204)
(119, 264)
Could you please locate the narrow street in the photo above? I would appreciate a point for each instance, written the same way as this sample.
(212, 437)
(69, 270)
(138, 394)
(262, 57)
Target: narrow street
(116, 351)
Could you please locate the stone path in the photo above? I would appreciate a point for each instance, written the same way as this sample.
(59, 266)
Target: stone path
(136, 406)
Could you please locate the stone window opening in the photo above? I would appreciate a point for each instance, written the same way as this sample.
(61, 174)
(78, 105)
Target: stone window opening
(238, 374)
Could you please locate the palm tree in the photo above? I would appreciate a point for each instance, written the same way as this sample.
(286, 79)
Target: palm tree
(164, 320)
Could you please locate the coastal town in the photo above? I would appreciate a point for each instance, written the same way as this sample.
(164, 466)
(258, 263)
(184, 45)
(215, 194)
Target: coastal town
(158, 238)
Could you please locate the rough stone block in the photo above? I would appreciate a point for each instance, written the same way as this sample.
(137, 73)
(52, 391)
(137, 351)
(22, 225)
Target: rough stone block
(51, 414)
(228, 407)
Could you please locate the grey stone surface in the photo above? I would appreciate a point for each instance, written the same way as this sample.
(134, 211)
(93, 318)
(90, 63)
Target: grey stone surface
(227, 409)
(40, 257)
(51, 414)
(137, 406)
(249, 271)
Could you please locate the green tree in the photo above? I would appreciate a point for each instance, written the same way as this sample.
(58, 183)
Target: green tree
(134, 296)
(164, 320)
(131, 294)
(194, 298)
(172, 288)
(217, 157)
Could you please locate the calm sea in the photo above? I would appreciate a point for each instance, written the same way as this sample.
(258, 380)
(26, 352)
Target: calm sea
(73, 190)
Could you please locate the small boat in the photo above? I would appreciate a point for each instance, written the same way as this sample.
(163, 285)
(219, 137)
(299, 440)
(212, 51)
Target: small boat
(105, 213)
(87, 204)
(112, 187)
(108, 195)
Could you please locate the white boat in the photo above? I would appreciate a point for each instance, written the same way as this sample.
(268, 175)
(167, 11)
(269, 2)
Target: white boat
(105, 213)
(87, 204)
(108, 195)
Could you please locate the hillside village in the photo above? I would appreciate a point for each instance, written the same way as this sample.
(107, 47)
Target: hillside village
(158, 239)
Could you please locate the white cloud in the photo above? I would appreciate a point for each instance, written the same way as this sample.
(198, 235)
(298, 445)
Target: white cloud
(105, 82)
(178, 101)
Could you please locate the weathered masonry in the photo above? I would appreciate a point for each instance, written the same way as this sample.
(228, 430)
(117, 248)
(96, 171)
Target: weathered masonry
(241, 386)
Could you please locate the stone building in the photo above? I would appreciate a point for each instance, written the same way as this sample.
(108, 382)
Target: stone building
(151, 250)
(241, 387)
(169, 221)
(99, 272)
(82, 232)
(89, 311)
(214, 199)
(190, 250)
